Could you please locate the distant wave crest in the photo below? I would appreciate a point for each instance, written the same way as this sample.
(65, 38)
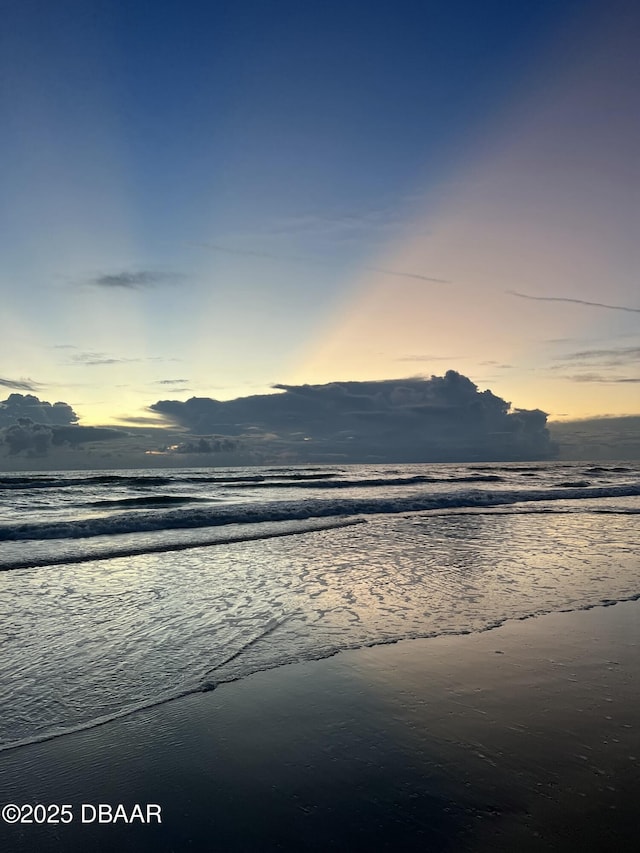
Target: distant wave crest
(255, 513)
(51, 481)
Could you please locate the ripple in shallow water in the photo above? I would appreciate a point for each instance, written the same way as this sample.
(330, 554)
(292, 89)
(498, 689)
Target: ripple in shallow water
(88, 641)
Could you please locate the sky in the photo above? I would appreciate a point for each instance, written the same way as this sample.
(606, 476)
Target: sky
(206, 199)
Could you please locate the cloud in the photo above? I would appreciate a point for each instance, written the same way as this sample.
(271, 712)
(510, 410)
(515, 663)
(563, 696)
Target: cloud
(598, 377)
(18, 406)
(130, 280)
(19, 384)
(101, 358)
(142, 421)
(497, 365)
(614, 355)
(399, 274)
(206, 444)
(345, 226)
(36, 440)
(606, 437)
(428, 358)
(312, 261)
(573, 301)
(98, 358)
(600, 365)
(170, 381)
(438, 419)
(27, 437)
(31, 427)
(75, 435)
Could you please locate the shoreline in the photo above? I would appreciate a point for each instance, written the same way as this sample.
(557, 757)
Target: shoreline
(159, 701)
(524, 736)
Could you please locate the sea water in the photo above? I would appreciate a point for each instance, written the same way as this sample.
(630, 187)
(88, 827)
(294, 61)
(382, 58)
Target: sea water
(125, 589)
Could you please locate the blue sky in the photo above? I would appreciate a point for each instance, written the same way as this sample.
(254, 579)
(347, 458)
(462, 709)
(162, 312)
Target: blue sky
(209, 198)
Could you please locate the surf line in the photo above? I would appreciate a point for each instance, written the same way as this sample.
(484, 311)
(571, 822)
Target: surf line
(43, 562)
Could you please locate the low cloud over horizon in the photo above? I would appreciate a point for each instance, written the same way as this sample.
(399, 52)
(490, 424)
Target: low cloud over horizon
(441, 419)
(34, 427)
(411, 420)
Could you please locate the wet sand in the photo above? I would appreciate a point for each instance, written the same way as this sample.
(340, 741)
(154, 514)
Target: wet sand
(521, 738)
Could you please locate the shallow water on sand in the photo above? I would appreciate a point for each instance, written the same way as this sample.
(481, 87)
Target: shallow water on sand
(95, 640)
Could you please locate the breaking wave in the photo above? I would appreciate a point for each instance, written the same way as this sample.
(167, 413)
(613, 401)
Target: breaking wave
(276, 511)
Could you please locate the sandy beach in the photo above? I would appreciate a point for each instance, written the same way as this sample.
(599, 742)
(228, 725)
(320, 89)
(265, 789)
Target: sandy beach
(523, 737)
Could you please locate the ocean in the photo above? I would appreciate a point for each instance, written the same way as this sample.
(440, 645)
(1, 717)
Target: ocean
(122, 590)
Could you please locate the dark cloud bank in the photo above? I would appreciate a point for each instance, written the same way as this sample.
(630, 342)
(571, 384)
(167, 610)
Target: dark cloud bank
(18, 406)
(605, 438)
(33, 428)
(442, 419)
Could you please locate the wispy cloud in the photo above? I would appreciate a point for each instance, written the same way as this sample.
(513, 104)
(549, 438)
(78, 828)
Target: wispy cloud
(92, 359)
(170, 381)
(360, 226)
(600, 359)
(134, 280)
(573, 301)
(598, 377)
(428, 358)
(398, 273)
(313, 261)
(617, 354)
(496, 364)
(97, 358)
(20, 384)
(157, 421)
